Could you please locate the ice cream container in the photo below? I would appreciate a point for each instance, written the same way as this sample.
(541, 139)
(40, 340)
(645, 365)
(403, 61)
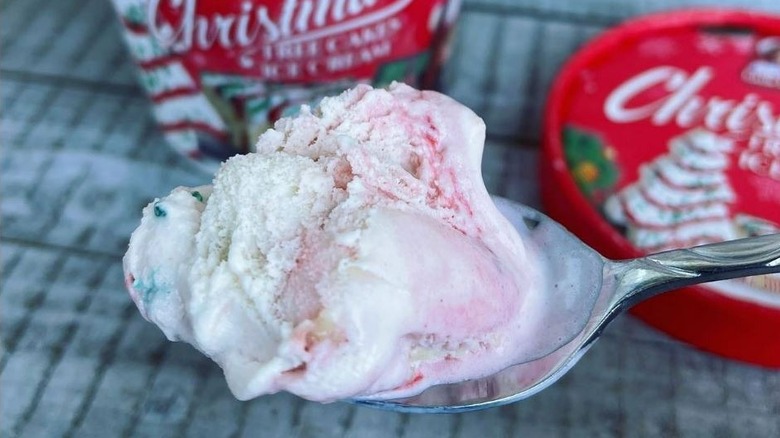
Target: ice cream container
(220, 72)
(664, 132)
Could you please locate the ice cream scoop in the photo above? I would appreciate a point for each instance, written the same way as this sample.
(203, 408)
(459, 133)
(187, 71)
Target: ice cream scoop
(617, 285)
(357, 253)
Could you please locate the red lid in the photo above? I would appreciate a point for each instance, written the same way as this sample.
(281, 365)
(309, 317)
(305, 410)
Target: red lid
(665, 132)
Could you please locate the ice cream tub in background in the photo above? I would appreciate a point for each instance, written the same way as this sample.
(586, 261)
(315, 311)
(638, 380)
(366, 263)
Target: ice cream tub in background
(664, 132)
(220, 72)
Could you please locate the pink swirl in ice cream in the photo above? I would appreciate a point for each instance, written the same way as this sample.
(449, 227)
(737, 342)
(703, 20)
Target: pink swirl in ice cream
(356, 253)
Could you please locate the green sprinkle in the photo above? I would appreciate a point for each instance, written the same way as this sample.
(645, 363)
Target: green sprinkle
(197, 195)
(158, 211)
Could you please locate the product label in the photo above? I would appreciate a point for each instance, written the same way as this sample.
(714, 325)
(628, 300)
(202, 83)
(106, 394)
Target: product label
(220, 72)
(676, 140)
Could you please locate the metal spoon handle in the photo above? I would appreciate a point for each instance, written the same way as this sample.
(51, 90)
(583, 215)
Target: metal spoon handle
(641, 278)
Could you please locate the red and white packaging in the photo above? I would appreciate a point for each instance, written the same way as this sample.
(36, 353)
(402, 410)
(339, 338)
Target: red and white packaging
(220, 72)
(664, 132)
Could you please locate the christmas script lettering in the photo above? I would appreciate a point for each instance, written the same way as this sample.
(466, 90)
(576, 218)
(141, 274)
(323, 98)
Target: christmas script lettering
(297, 21)
(750, 118)
(686, 106)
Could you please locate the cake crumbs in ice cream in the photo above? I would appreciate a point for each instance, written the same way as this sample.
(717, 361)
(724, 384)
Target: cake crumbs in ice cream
(356, 253)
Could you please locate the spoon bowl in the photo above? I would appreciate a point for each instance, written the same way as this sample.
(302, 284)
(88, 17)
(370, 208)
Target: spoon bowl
(587, 293)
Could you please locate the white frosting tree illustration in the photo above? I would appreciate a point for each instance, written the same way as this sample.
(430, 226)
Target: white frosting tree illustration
(682, 198)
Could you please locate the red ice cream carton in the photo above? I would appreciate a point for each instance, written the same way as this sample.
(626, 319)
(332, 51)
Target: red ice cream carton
(662, 133)
(220, 72)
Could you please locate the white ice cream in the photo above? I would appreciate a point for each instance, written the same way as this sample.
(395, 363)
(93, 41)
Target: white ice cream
(357, 253)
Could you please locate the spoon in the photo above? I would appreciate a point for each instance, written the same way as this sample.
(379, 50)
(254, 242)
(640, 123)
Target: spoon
(588, 293)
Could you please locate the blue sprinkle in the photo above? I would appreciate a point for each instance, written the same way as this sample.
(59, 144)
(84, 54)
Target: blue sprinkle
(158, 211)
(149, 289)
(197, 196)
